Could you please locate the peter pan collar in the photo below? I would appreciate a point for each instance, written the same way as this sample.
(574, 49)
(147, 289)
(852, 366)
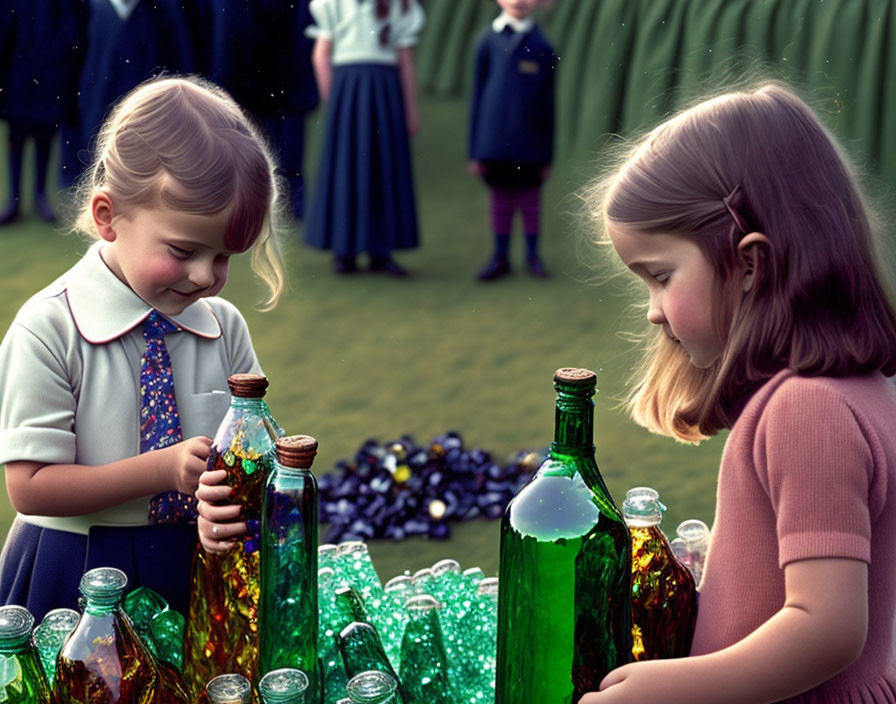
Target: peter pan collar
(504, 19)
(105, 308)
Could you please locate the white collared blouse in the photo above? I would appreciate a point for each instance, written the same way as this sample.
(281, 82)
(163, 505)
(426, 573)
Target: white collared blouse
(70, 376)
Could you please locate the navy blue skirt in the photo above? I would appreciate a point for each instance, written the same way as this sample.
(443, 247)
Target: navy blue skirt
(41, 568)
(363, 198)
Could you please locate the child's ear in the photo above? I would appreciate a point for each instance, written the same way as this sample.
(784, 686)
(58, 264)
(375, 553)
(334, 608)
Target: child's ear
(103, 212)
(752, 251)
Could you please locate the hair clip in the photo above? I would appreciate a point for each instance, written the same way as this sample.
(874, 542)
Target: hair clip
(736, 205)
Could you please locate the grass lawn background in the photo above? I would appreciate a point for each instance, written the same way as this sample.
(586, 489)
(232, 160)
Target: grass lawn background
(351, 358)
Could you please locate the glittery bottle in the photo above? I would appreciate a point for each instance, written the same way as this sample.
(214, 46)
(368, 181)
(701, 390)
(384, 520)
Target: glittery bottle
(564, 605)
(22, 679)
(664, 597)
(104, 661)
(222, 627)
(288, 610)
(51, 634)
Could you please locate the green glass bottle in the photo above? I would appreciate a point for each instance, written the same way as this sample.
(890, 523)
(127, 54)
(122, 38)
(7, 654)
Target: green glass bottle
(361, 650)
(49, 636)
(285, 686)
(22, 679)
(288, 607)
(373, 687)
(664, 597)
(222, 625)
(424, 664)
(564, 567)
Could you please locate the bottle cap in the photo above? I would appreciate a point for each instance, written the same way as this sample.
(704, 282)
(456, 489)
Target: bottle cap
(103, 582)
(488, 586)
(285, 681)
(575, 376)
(370, 686)
(296, 451)
(643, 504)
(16, 623)
(229, 688)
(444, 566)
(421, 604)
(248, 385)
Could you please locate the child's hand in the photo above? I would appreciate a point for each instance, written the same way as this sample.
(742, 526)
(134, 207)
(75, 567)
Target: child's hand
(216, 525)
(187, 460)
(476, 167)
(638, 682)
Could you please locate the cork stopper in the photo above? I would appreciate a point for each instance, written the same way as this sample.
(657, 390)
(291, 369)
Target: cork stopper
(248, 385)
(296, 451)
(575, 376)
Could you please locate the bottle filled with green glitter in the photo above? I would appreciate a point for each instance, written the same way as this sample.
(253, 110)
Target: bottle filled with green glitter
(22, 679)
(564, 567)
(288, 610)
(50, 635)
(222, 626)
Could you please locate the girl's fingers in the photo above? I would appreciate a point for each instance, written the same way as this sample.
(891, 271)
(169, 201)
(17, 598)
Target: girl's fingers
(213, 478)
(217, 546)
(218, 514)
(213, 494)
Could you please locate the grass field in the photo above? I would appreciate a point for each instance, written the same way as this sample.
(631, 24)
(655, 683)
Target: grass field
(371, 357)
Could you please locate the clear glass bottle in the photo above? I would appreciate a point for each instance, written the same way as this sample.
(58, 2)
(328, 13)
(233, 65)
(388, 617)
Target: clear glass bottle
(104, 661)
(51, 634)
(690, 545)
(373, 687)
(222, 626)
(231, 688)
(288, 607)
(285, 686)
(22, 679)
(564, 568)
(664, 598)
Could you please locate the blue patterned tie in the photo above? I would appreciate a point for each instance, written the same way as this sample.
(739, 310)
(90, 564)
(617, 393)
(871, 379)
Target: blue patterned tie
(159, 419)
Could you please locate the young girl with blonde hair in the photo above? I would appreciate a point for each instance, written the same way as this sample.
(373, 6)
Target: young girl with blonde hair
(743, 218)
(114, 377)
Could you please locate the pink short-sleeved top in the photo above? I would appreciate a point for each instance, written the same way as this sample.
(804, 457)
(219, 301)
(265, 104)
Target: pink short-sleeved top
(808, 471)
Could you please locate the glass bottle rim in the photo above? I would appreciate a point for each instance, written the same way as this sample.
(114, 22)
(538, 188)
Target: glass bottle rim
(422, 604)
(444, 566)
(103, 583)
(488, 586)
(284, 681)
(231, 687)
(370, 686)
(60, 620)
(16, 624)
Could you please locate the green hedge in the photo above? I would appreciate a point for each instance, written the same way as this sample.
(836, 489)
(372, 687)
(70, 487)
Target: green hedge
(625, 64)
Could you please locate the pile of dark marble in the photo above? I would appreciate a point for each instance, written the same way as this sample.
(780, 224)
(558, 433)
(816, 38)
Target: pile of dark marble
(402, 489)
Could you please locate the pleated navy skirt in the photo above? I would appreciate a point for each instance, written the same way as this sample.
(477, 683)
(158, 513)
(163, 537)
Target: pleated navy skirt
(363, 198)
(41, 568)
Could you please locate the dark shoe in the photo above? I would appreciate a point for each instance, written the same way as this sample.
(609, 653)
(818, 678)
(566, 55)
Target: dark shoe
(387, 265)
(43, 208)
(10, 212)
(344, 265)
(495, 269)
(536, 267)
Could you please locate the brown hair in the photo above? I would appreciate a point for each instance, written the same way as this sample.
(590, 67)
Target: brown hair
(183, 142)
(818, 303)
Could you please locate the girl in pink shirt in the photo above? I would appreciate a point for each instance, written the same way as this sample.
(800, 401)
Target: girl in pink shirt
(744, 220)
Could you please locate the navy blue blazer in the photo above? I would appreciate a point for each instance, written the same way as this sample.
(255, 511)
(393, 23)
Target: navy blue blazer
(512, 113)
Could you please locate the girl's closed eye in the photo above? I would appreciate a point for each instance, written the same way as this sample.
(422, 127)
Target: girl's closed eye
(180, 252)
(661, 277)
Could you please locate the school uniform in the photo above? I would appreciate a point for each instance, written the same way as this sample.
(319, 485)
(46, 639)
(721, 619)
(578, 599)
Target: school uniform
(259, 53)
(363, 198)
(512, 110)
(128, 42)
(70, 394)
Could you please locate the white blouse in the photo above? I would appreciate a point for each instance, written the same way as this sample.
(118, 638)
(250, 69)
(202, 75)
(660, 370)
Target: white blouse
(354, 29)
(70, 376)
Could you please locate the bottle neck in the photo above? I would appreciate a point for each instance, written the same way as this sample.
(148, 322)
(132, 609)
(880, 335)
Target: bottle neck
(255, 405)
(573, 424)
